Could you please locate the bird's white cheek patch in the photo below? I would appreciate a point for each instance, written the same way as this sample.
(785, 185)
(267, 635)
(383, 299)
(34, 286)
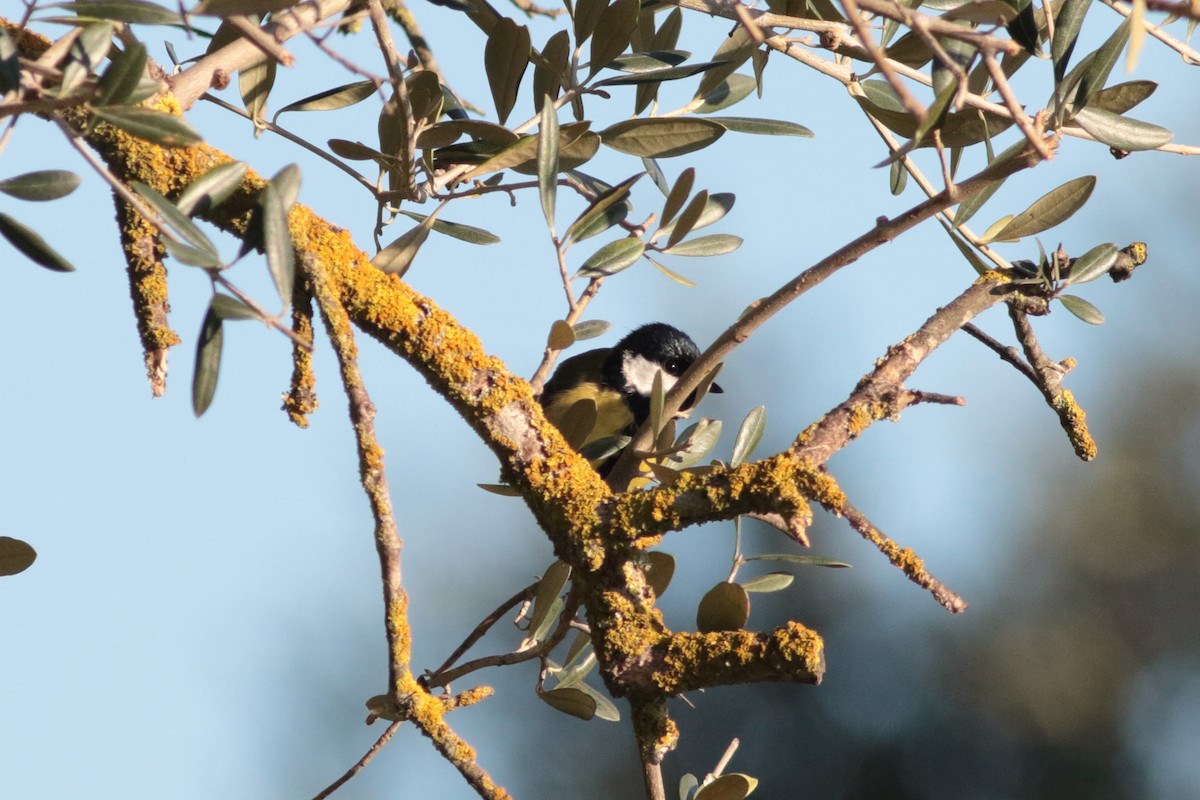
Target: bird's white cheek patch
(639, 375)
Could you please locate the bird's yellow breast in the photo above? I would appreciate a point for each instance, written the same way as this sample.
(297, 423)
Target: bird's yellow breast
(612, 412)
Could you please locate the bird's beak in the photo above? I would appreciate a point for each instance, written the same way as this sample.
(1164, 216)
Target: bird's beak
(715, 388)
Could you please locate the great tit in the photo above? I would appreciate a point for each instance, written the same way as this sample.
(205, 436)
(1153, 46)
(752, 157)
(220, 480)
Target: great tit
(619, 380)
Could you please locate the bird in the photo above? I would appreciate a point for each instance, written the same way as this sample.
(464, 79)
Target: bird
(605, 393)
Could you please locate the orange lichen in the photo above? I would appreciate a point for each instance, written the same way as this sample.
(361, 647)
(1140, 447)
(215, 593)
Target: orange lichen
(1074, 422)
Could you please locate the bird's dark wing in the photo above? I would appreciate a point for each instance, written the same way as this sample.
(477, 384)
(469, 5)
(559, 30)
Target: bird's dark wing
(574, 370)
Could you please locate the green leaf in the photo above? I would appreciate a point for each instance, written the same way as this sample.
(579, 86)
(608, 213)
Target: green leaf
(762, 127)
(191, 256)
(505, 58)
(1120, 132)
(614, 28)
(590, 329)
(42, 185)
(771, 582)
(656, 403)
(1095, 69)
(936, 113)
(519, 152)
(749, 434)
(398, 256)
(613, 257)
(562, 335)
(121, 79)
(553, 581)
(466, 233)
(897, 177)
(1067, 24)
(717, 244)
(15, 555)
(1082, 309)
(576, 147)
(967, 208)
(1050, 209)
(550, 70)
(678, 195)
(734, 786)
(982, 12)
(1123, 96)
(332, 99)
(657, 175)
(650, 61)
(816, 561)
(212, 188)
(153, 126)
(137, 12)
(208, 362)
(10, 64)
(658, 75)
(687, 220)
(686, 784)
(605, 709)
(255, 82)
(547, 159)
(735, 50)
(725, 607)
(1023, 28)
(734, 89)
(587, 15)
(502, 489)
(425, 96)
(659, 568)
(1094, 263)
(277, 241)
(229, 8)
(675, 276)
(571, 700)
(355, 151)
(661, 137)
(229, 307)
(716, 206)
(989, 235)
(965, 249)
(287, 183)
(175, 219)
(609, 208)
(695, 443)
(574, 674)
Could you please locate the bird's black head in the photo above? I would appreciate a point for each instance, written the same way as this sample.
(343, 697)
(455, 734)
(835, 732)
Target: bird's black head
(632, 363)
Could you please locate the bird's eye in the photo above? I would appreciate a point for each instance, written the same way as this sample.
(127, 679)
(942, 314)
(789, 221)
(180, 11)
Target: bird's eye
(675, 367)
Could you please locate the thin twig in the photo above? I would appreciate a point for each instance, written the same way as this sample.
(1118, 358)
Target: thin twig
(1006, 352)
(404, 17)
(291, 137)
(910, 103)
(561, 629)
(483, 627)
(362, 762)
(917, 396)
(268, 44)
(726, 757)
(903, 558)
(1190, 55)
(1049, 380)
(1033, 129)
